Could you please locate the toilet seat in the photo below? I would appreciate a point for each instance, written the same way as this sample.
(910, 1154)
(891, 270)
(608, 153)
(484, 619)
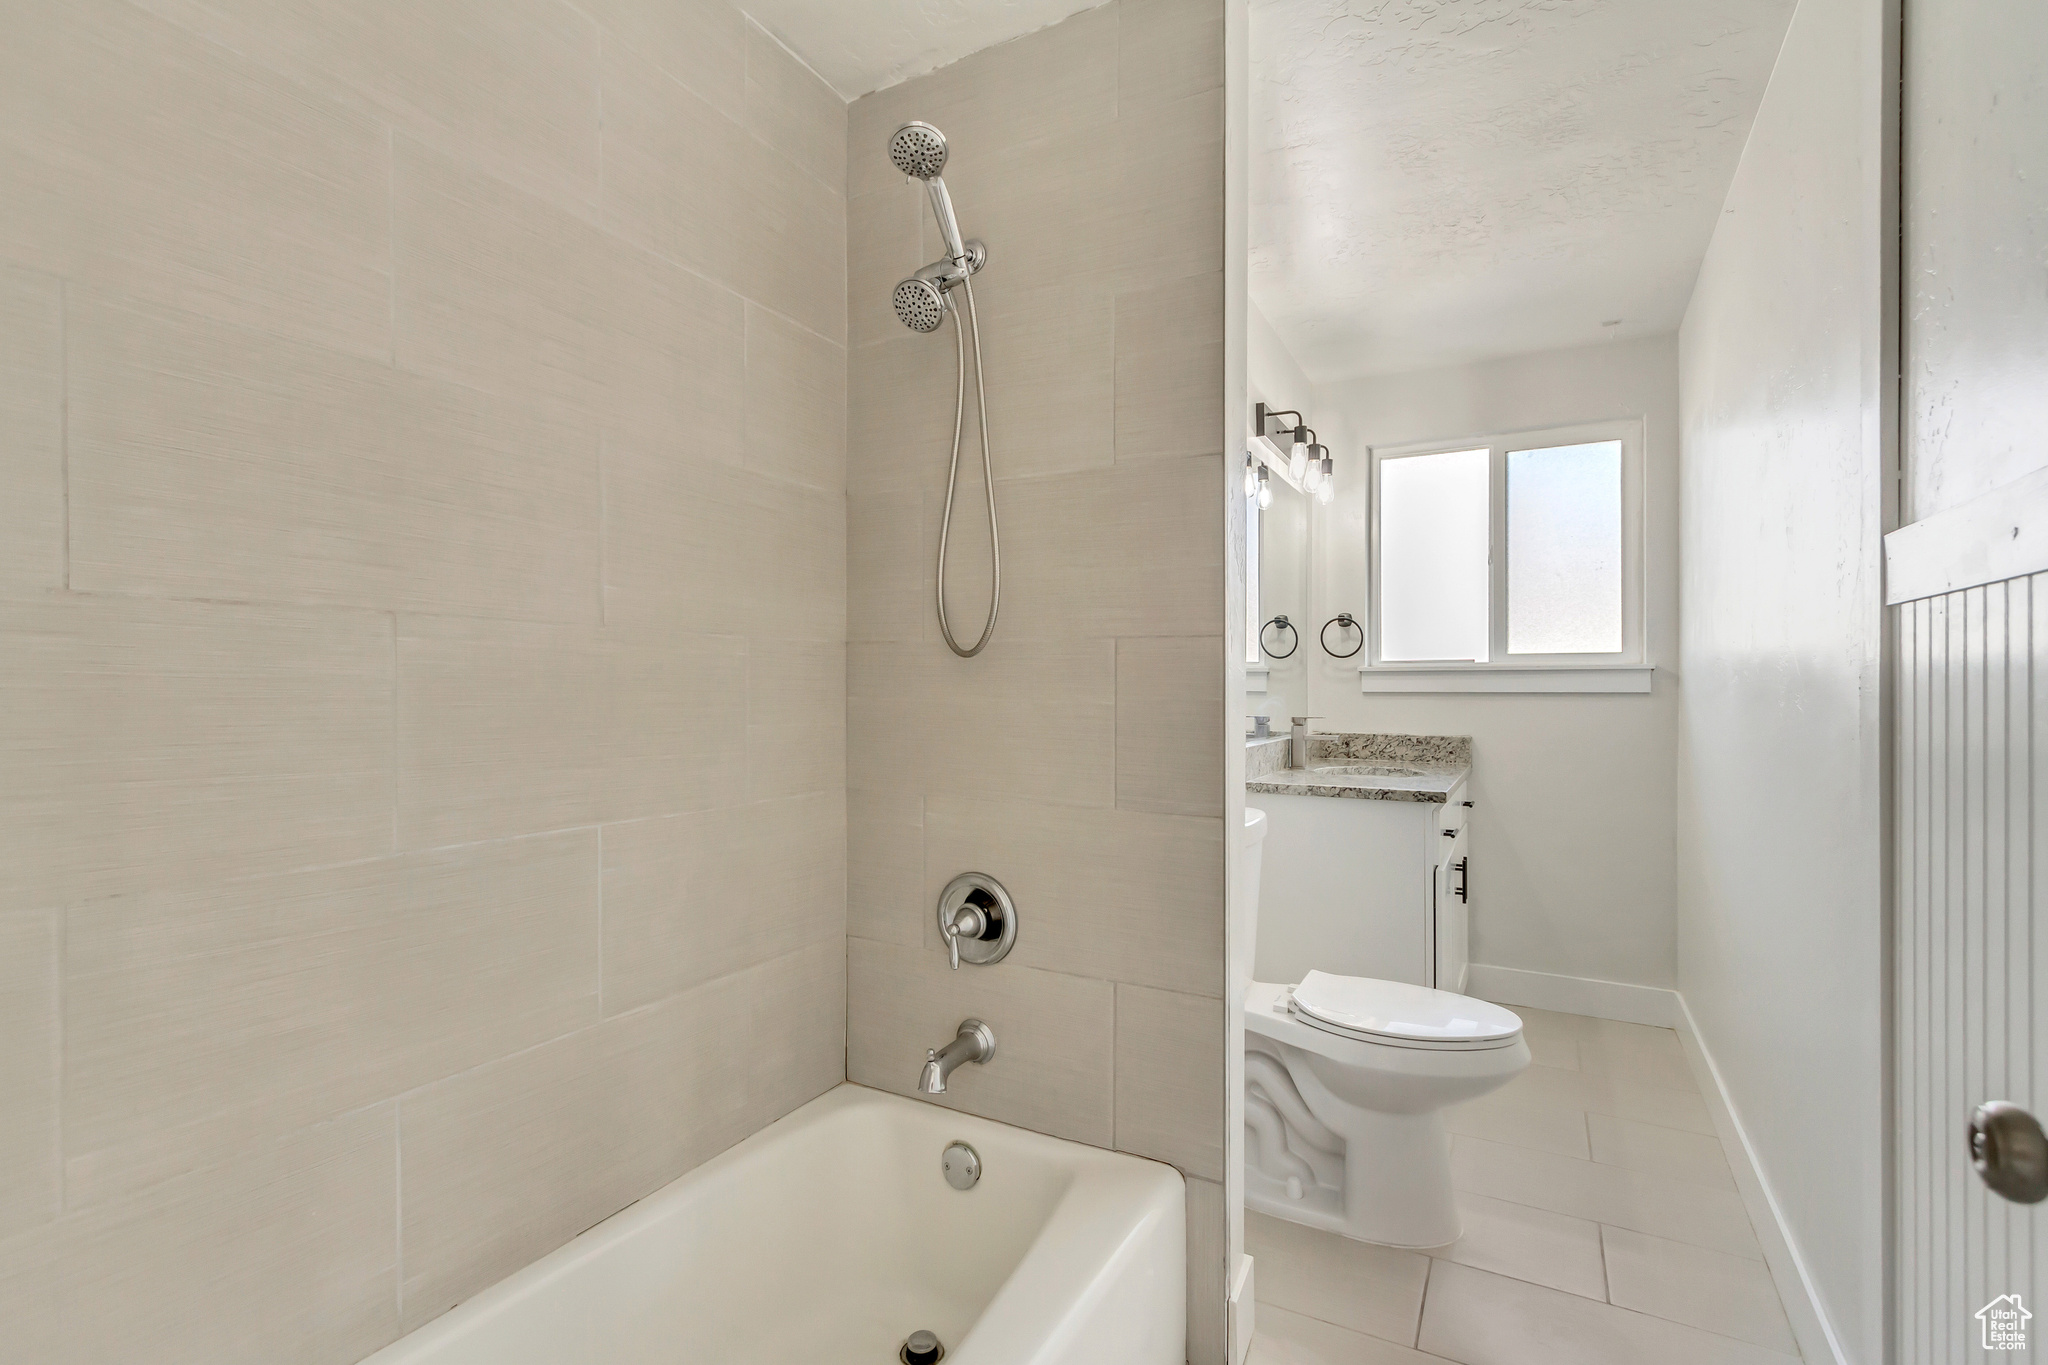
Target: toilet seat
(1397, 1014)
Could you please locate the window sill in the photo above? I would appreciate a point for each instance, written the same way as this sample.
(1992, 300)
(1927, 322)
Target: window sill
(1506, 678)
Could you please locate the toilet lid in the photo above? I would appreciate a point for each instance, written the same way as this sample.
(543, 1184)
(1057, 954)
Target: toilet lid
(1396, 1010)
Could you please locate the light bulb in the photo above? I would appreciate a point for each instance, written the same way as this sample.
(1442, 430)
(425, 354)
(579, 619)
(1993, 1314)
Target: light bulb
(1297, 459)
(1251, 477)
(1326, 492)
(1265, 496)
(1313, 479)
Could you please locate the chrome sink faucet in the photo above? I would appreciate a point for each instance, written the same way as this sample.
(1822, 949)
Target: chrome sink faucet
(975, 1042)
(1298, 735)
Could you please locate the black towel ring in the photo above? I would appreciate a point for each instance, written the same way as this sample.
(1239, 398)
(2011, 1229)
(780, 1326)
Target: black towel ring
(1284, 624)
(1342, 618)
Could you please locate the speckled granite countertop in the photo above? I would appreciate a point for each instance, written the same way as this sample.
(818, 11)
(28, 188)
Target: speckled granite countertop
(1424, 768)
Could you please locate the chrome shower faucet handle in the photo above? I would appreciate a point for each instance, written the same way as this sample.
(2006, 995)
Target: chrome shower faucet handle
(977, 919)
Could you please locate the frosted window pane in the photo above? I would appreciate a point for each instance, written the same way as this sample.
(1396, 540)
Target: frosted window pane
(1433, 548)
(1564, 549)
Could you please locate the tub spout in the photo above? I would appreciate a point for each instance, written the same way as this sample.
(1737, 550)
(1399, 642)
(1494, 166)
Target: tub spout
(975, 1042)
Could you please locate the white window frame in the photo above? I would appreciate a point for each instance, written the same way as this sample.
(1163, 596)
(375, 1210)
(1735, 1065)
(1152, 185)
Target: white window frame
(1625, 670)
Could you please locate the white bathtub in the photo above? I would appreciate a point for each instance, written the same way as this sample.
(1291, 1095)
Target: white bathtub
(830, 1236)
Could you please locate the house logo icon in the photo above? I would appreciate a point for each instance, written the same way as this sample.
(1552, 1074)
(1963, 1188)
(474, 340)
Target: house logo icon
(2005, 1323)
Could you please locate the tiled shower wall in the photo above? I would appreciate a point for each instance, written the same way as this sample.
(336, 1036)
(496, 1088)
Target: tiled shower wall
(1080, 759)
(422, 631)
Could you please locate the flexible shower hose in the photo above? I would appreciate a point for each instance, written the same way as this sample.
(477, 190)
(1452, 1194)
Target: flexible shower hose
(995, 546)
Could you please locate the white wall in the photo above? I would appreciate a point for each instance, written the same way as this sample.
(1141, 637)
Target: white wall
(1780, 918)
(1572, 846)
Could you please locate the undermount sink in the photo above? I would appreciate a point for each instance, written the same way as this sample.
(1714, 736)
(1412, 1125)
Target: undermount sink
(1376, 770)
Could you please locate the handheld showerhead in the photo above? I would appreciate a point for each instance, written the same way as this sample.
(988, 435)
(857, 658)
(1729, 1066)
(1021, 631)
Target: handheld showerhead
(919, 151)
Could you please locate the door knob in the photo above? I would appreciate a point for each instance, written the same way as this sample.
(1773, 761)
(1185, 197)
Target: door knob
(2009, 1151)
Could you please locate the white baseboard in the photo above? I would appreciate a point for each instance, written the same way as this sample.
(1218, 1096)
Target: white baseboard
(1810, 1326)
(1574, 995)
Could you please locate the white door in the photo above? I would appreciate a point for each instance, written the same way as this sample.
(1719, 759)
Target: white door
(1969, 612)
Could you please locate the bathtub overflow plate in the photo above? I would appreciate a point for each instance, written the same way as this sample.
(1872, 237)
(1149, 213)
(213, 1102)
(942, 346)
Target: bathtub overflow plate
(962, 1165)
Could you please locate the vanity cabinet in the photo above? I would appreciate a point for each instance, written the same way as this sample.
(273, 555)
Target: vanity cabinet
(1364, 888)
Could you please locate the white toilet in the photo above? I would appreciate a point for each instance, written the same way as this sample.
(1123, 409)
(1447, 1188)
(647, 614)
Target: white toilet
(1346, 1078)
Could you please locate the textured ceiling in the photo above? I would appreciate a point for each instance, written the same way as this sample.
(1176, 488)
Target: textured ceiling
(864, 45)
(1441, 181)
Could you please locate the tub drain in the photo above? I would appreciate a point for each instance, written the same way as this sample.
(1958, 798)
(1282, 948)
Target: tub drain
(922, 1348)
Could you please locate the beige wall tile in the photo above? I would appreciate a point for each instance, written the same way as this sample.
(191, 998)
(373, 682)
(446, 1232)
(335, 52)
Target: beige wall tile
(701, 43)
(791, 109)
(200, 1023)
(1039, 719)
(31, 432)
(885, 242)
(506, 292)
(213, 461)
(885, 571)
(289, 1253)
(675, 732)
(507, 1162)
(1167, 49)
(1049, 197)
(1133, 550)
(1053, 408)
(1169, 369)
(795, 403)
(676, 167)
(1169, 700)
(154, 744)
(1115, 894)
(899, 413)
(793, 242)
(691, 898)
(501, 729)
(798, 1042)
(513, 81)
(29, 1027)
(698, 545)
(796, 718)
(1060, 80)
(1168, 220)
(885, 868)
(1053, 1063)
(144, 159)
(1169, 1078)
(1208, 1258)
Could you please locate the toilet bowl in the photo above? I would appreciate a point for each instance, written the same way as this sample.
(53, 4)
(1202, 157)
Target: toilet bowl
(1346, 1080)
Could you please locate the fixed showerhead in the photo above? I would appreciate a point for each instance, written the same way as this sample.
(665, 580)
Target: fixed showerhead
(918, 149)
(919, 304)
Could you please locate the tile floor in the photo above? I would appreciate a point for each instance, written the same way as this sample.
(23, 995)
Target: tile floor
(1602, 1227)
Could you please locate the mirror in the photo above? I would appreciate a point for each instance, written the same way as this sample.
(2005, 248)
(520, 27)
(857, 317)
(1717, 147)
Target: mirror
(1279, 589)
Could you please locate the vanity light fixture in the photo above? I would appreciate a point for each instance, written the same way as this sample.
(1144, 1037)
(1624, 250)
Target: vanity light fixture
(1251, 475)
(1309, 465)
